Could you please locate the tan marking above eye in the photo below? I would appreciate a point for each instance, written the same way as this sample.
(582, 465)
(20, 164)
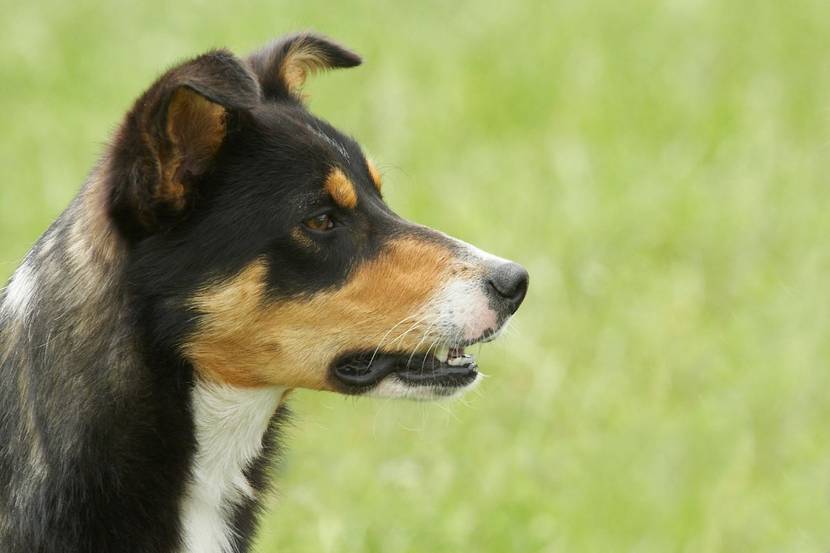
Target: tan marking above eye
(245, 339)
(341, 189)
(374, 173)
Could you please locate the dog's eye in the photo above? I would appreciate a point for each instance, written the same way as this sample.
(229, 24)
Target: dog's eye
(320, 222)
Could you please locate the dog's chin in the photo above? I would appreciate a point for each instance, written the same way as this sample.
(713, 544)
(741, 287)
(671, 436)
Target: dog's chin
(395, 388)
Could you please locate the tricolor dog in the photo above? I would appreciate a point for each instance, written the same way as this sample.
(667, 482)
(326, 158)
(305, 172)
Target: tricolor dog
(228, 247)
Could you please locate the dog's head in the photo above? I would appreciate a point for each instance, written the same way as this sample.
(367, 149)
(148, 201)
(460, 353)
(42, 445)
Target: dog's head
(260, 248)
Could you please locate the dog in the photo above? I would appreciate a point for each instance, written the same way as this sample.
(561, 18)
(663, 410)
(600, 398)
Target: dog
(227, 248)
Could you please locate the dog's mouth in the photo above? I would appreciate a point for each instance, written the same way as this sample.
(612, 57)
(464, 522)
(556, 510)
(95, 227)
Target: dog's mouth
(448, 367)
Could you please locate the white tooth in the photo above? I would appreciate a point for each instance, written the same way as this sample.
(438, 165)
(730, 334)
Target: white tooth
(460, 361)
(442, 353)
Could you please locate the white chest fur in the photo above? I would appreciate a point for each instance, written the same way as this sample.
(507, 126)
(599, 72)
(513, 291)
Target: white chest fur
(230, 424)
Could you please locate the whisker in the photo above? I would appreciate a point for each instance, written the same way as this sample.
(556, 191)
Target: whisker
(415, 349)
(426, 355)
(374, 353)
(411, 328)
(447, 408)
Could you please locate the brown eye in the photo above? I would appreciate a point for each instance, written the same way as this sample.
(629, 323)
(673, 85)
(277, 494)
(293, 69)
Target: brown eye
(320, 222)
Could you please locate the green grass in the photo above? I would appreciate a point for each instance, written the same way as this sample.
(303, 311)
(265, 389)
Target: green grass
(661, 168)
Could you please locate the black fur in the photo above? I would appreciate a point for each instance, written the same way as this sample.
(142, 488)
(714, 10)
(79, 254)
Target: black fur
(246, 516)
(97, 434)
(218, 76)
(95, 417)
(84, 465)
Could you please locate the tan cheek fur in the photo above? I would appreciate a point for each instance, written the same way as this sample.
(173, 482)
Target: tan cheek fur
(246, 341)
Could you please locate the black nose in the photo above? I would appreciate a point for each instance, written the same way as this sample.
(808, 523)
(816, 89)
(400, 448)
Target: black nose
(509, 280)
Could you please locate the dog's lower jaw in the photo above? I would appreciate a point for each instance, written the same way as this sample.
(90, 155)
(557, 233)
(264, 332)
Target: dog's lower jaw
(392, 387)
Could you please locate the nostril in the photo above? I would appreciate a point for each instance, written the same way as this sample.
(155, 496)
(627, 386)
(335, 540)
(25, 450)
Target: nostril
(510, 281)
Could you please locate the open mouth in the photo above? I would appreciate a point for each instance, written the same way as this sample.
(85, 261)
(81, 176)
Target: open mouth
(448, 367)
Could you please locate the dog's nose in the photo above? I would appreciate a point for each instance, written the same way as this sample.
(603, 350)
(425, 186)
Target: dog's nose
(509, 280)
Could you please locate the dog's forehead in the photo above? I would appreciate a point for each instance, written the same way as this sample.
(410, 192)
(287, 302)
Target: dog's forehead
(293, 123)
(331, 139)
(329, 163)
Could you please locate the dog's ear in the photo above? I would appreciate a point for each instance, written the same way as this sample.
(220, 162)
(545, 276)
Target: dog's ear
(170, 138)
(282, 66)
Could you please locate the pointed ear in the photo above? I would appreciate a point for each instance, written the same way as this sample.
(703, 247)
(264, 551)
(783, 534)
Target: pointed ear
(170, 138)
(282, 66)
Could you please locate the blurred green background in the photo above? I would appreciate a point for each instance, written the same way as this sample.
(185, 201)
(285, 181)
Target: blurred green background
(661, 169)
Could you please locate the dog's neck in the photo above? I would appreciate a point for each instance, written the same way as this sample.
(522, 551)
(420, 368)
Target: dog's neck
(230, 424)
(157, 458)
